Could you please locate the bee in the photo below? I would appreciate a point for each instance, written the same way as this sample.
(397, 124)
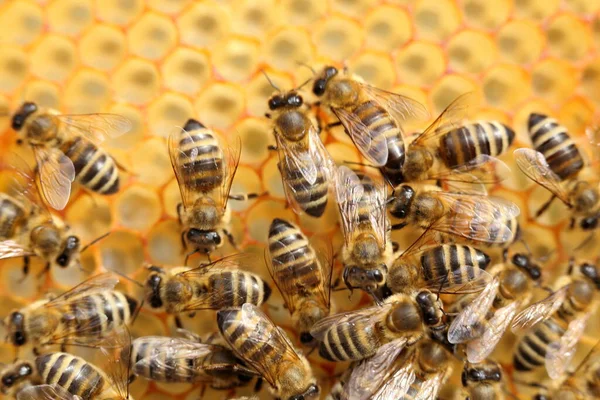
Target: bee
(401, 320)
(371, 116)
(305, 165)
(303, 279)
(186, 359)
(88, 311)
(210, 286)
(263, 346)
(471, 217)
(204, 175)
(367, 249)
(558, 322)
(484, 320)
(483, 381)
(66, 149)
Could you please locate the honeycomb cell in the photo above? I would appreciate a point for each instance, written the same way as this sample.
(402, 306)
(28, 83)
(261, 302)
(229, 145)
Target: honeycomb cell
(375, 68)
(553, 79)
(122, 251)
(70, 17)
(117, 11)
(258, 90)
(42, 92)
(186, 70)
(220, 105)
(302, 12)
(254, 17)
(338, 38)
(260, 217)
(138, 208)
(486, 15)
(164, 243)
(271, 178)
(520, 41)
(79, 214)
(255, 136)
(88, 91)
(135, 135)
(522, 116)
(590, 81)
(152, 36)
(171, 198)
(286, 47)
(22, 22)
(69, 277)
(168, 6)
(506, 86)
(12, 278)
(448, 89)
(136, 81)
(151, 163)
(246, 180)
(387, 28)
(568, 37)
(436, 19)
(536, 9)
(577, 114)
(584, 7)
(420, 63)
(167, 113)
(53, 58)
(102, 47)
(236, 58)
(471, 52)
(352, 7)
(203, 24)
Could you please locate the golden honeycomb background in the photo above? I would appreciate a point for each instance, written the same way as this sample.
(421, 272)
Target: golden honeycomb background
(160, 62)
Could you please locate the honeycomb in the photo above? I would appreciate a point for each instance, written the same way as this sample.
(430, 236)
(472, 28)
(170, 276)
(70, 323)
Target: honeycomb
(159, 62)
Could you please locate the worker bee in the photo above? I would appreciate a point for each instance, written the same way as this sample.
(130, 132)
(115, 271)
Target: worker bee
(187, 359)
(86, 312)
(484, 320)
(305, 165)
(263, 346)
(367, 249)
(210, 286)
(402, 319)
(558, 322)
(483, 381)
(371, 116)
(204, 174)
(66, 149)
(303, 278)
(471, 217)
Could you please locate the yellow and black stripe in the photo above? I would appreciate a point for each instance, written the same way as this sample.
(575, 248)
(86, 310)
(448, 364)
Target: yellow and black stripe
(580, 296)
(312, 198)
(532, 348)
(11, 216)
(438, 261)
(233, 288)
(165, 366)
(344, 342)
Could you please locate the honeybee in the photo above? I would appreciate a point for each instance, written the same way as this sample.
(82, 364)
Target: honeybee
(66, 149)
(210, 286)
(482, 323)
(367, 249)
(558, 322)
(86, 312)
(204, 174)
(483, 381)
(305, 165)
(401, 320)
(371, 116)
(263, 346)
(303, 279)
(472, 217)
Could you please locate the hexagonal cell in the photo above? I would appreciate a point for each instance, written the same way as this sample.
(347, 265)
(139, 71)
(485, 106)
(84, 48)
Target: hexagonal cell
(353, 8)
(254, 17)
(448, 89)
(53, 58)
(69, 277)
(203, 24)
(42, 92)
(285, 47)
(488, 15)
(271, 178)
(152, 36)
(102, 47)
(471, 52)
(420, 63)
(164, 243)
(78, 214)
(186, 70)
(135, 135)
(436, 19)
(375, 68)
(122, 251)
(236, 58)
(87, 92)
(138, 208)
(13, 283)
(259, 90)
(387, 28)
(577, 114)
(69, 16)
(167, 113)
(151, 163)
(260, 216)
(168, 6)
(553, 79)
(136, 81)
(117, 11)
(506, 86)
(171, 198)
(522, 116)
(568, 37)
(338, 38)
(536, 9)
(302, 12)
(256, 135)
(220, 105)
(520, 42)
(246, 181)
(22, 22)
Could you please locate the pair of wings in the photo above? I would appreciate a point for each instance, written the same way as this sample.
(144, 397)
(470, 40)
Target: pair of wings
(46, 392)
(190, 192)
(55, 171)
(368, 142)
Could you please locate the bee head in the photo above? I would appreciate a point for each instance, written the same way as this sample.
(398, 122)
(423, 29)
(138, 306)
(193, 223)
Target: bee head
(204, 240)
(19, 118)
(285, 100)
(402, 202)
(524, 263)
(404, 317)
(589, 223)
(47, 239)
(321, 81)
(70, 251)
(481, 373)
(193, 125)
(16, 328)
(590, 271)
(13, 375)
(365, 279)
(312, 392)
(153, 285)
(430, 307)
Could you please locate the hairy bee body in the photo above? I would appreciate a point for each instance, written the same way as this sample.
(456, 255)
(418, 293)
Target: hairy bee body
(532, 348)
(12, 216)
(312, 198)
(483, 381)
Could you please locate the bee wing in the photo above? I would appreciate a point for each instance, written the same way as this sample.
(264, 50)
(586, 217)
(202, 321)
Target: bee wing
(467, 325)
(454, 282)
(96, 127)
(300, 161)
(232, 154)
(11, 249)
(561, 353)
(480, 348)
(96, 284)
(398, 384)
(116, 348)
(540, 311)
(483, 169)
(535, 167)
(281, 282)
(45, 392)
(55, 174)
(366, 316)
(233, 261)
(349, 190)
(369, 374)
(431, 386)
(85, 327)
(401, 107)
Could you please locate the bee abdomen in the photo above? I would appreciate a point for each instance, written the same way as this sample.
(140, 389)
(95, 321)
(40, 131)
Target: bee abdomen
(10, 216)
(312, 198)
(94, 168)
(439, 261)
(532, 349)
(553, 141)
(72, 373)
(339, 344)
(163, 367)
(382, 127)
(414, 389)
(234, 288)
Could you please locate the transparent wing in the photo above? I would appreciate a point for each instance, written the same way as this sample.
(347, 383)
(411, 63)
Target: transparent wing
(232, 155)
(483, 169)
(55, 173)
(430, 386)
(117, 351)
(401, 107)
(85, 327)
(470, 323)
(366, 316)
(480, 348)
(11, 249)
(534, 165)
(24, 185)
(398, 384)
(96, 284)
(454, 283)
(319, 153)
(349, 190)
(96, 127)
(45, 392)
(295, 160)
(561, 353)
(233, 261)
(540, 311)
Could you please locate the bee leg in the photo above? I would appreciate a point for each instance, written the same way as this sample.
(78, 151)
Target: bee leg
(26, 264)
(187, 256)
(268, 115)
(572, 223)
(545, 206)
(333, 125)
(258, 385)
(122, 167)
(192, 314)
(395, 247)
(571, 266)
(399, 226)
(585, 242)
(19, 142)
(231, 239)
(131, 379)
(44, 271)
(63, 347)
(247, 196)
(35, 351)
(178, 322)
(271, 148)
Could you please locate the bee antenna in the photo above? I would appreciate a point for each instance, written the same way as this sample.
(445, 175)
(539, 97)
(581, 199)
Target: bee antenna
(304, 84)
(303, 64)
(93, 242)
(270, 81)
(122, 275)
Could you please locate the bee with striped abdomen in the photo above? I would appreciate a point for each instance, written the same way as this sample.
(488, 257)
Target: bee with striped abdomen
(66, 150)
(266, 348)
(482, 381)
(302, 277)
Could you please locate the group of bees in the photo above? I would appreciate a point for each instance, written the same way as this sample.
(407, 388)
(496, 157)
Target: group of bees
(434, 303)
